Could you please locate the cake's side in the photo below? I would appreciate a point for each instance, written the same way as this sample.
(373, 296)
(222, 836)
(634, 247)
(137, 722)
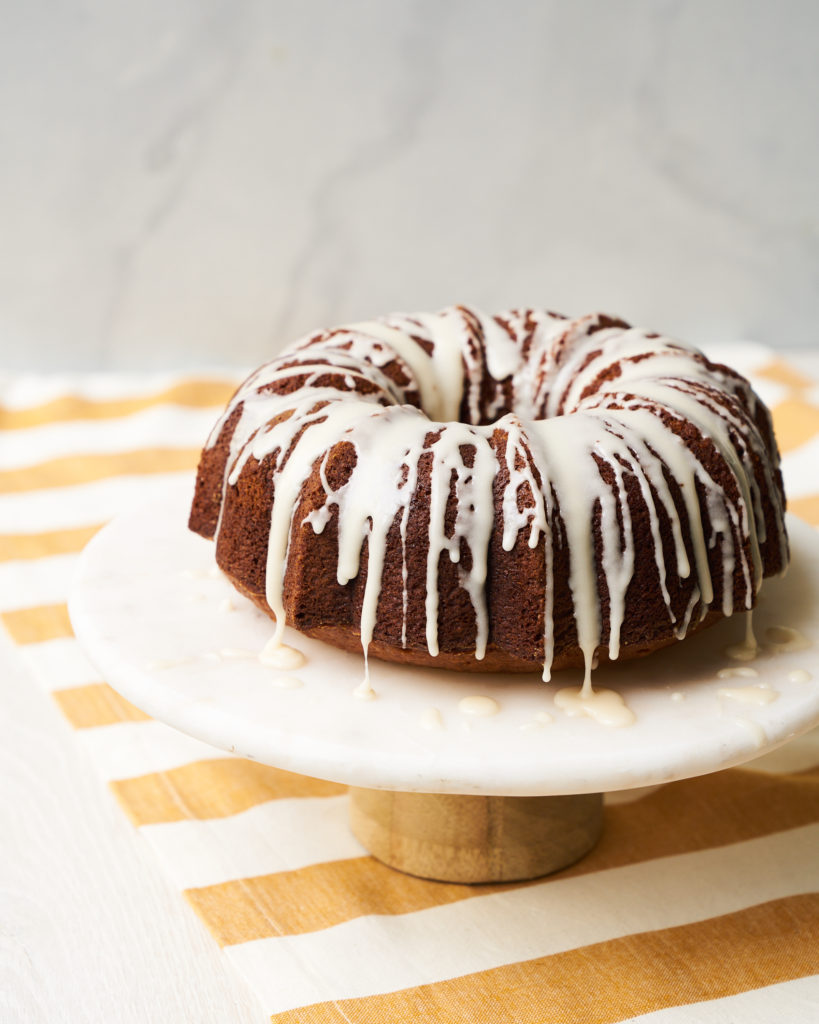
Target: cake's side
(625, 494)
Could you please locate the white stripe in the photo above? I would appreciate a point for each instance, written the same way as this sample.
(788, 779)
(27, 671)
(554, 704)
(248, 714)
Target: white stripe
(804, 361)
(788, 1001)
(59, 664)
(800, 469)
(24, 391)
(160, 426)
(126, 750)
(279, 835)
(36, 581)
(63, 508)
(377, 954)
(772, 392)
(744, 356)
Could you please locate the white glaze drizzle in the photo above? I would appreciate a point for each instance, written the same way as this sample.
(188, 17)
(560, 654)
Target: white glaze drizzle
(759, 695)
(364, 691)
(553, 442)
(230, 653)
(431, 720)
(279, 655)
(540, 719)
(749, 648)
(737, 673)
(756, 731)
(478, 705)
(785, 638)
(605, 706)
(288, 682)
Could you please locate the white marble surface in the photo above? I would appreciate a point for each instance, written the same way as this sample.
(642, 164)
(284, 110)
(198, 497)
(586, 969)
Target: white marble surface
(150, 610)
(203, 181)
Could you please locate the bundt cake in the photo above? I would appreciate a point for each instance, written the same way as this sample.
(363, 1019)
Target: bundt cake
(504, 493)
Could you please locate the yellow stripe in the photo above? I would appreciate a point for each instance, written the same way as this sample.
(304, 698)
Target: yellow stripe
(610, 981)
(42, 545)
(795, 423)
(212, 789)
(95, 704)
(83, 469)
(195, 394)
(806, 508)
(782, 373)
(316, 897)
(32, 625)
(711, 811)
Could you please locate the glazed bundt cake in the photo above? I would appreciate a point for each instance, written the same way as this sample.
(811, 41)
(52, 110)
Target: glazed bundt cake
(515, 492)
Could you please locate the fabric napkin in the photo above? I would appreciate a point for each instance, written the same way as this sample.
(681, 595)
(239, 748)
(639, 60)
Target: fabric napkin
(701, 892)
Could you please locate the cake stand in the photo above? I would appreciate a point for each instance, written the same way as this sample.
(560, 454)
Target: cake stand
(455, 776)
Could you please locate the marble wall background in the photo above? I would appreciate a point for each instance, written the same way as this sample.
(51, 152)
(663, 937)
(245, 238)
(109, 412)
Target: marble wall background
(201, 181)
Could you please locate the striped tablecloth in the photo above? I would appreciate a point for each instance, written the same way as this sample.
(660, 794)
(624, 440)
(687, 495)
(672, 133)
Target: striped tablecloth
(702, 892)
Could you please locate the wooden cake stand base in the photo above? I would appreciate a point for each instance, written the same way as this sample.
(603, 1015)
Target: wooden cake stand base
(450, 838)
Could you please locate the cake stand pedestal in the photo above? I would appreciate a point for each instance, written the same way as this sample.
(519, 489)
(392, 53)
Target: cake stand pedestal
(440, 788)
(453, 838)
